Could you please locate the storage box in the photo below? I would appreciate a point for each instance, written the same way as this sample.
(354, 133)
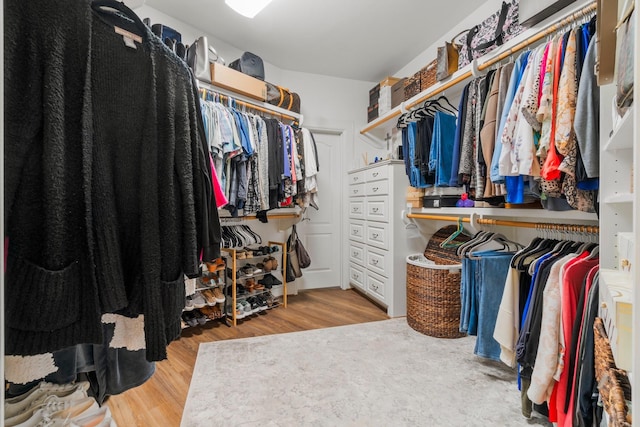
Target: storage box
(411, 86)
(440, 201)
(389, 81)
(414, 197)
(374, 94)
(372, 112)
(397, 93)
(236, 81)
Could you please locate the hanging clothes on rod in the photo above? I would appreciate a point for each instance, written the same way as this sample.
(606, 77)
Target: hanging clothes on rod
(428, 136)
(262, 163)
(542, 310)
(485, 261)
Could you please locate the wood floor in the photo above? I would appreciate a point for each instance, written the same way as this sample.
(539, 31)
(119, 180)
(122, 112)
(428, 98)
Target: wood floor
(160, 400)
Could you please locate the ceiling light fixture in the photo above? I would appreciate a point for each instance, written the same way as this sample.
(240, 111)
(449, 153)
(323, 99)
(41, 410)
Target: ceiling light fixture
(248, 8)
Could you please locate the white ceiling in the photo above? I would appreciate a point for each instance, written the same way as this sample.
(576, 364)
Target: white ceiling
(356, 39)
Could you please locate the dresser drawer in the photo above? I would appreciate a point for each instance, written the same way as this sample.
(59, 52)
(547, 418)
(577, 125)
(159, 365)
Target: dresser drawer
(378, 260)
(357, 276)
(356, 209)
(356, 178)
(377, 235)
(356, 253)
(376, 285)
(376, 174)
(356, 231)
(377, 188)
(377, 209)
(356, 190)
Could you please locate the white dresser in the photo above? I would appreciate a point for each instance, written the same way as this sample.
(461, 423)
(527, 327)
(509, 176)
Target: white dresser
(378, 243)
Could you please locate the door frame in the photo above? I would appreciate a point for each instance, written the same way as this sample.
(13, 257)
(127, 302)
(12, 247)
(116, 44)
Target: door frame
(345, 130)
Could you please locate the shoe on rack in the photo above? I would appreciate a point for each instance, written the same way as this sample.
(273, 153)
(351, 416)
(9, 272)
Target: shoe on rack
(239, 311)
(262, 302)
(207, 294)
(190, 318)
(201, 319)
(250, 284)
(209, 312)
(246, 271)
(246, 307)
(198, 300)
(241, 291)
(218, 295)
(255, 270)
(188, 303)
(258, 287)
(241, 254)
(255, 305)
(16, 405)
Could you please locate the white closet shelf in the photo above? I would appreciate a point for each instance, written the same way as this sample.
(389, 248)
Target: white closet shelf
(622, 137)
(541, 214)
(619, 198)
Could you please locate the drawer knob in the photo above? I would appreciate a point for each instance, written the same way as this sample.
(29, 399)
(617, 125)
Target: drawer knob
(355, 231)
(375, 189)
(374, 261)
(355, 178)
(375, 209)
(375, 174)
(375, 235)
(603, 305)
(355, 191)
(355, 254)
(375, 287)
(355, 209)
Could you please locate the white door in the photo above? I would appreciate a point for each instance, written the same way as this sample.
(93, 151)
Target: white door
(321, 233)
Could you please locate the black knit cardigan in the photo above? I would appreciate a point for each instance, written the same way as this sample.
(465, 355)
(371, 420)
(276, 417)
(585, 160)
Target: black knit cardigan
(101, 167)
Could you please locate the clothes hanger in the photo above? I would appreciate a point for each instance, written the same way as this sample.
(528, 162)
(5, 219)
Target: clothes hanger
(102, 7)
(447, 242)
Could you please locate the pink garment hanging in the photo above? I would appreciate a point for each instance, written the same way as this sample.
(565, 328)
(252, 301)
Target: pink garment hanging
(221, 199)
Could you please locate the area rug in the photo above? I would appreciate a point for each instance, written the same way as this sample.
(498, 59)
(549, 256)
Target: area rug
(373, 374)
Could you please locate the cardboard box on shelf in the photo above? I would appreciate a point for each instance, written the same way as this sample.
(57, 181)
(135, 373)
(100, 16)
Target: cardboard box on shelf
(374, 94)
(236, 81)
(389, 81)
(397, 93)
(372, 112)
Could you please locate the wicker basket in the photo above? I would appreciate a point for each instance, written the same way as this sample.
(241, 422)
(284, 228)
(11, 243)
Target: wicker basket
(428, 75)
(433, 297)
(613, 383)
(412, 86)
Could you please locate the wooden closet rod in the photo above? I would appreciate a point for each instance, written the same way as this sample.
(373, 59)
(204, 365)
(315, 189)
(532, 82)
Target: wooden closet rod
(467, 74)
(251, 106)
(521, 224)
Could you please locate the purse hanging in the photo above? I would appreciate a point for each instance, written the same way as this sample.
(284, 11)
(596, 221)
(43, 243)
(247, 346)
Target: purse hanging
(293, 264)
(304, 260)
(448, 58)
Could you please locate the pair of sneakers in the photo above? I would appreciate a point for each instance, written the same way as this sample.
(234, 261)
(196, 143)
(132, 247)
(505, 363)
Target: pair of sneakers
(212, 296)
(242, 310)
(52, 405)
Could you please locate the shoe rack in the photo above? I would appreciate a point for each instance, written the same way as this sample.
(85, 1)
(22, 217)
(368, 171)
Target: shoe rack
(213, 281)
(235, 264)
